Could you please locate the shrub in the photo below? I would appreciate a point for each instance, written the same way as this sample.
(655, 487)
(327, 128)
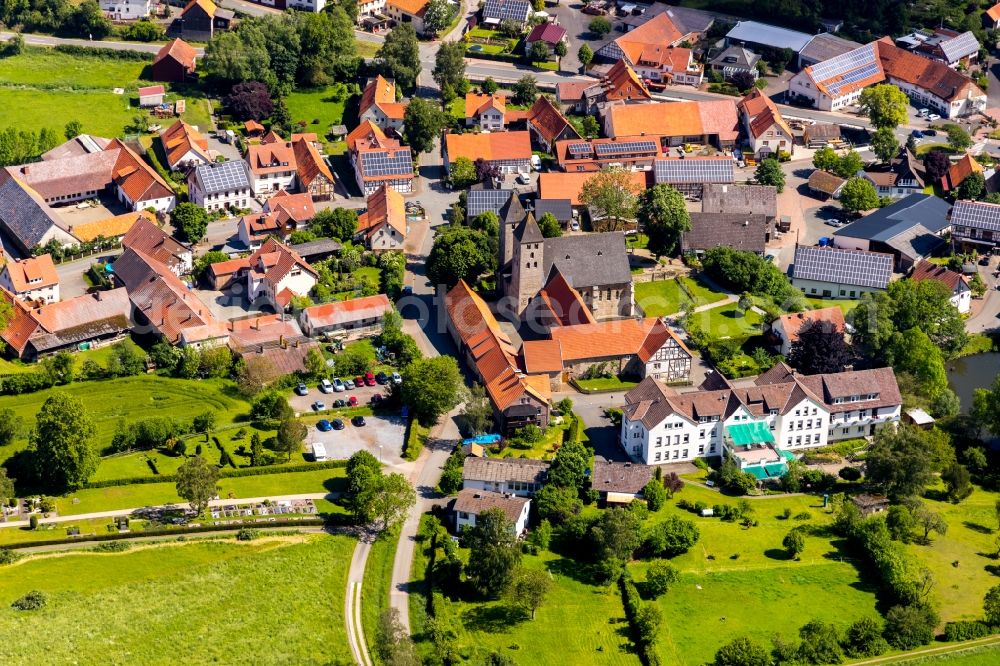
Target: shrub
(849, 473)
(33, 522)
(247, 534)
(786, 514)
(909, 627)
(966, 630)
(34, 600)
(803, 515)
(8, 556)
(112, 547)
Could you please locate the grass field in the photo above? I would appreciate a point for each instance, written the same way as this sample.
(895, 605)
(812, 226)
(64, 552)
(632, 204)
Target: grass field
(377, 581)
(318, 104)
(282, 597)
(45, 66)
(846, 305)
(152, 494)
(665, 297)
(101, 113)
(727, 321)
(605, 384)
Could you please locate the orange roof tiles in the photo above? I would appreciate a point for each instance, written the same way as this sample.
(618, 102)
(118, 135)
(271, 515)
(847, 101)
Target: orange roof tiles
(385, 206)
(179, 139)
(343, 312)
(490, 147)
(309, 162)
(381, 93)
(147, 237)
(180, 51)
(714, 117)
(959, 171)
(411, 7)
(622, 83)
(994, 12)
(763, 113)
(546, 119)
(476, 104)
(135, 177)
(931, 75)
(32, 273)
(925, 270)
(368, 134)
(296, 207)
(109, 227)
(618, 337)
(794, 323)
(206, 5)
(270, 158)
(253, 127)
(648, 39)
(564, 302)
(557, 185)
(542, 356)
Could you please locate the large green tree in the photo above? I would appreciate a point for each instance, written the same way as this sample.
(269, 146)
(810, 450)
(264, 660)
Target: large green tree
(190, 221)
(884, 144)
(339, 223)
(885, 105)
(613, 194)
(900, 462)
(422, 123)
(769, 172)
(437, 16)
(529, 588)
(61, 443)
(10, 426)
(197, 482)
(494, 553)
(570, 466)
(449, 66)
(399, 56)
(858, 194)
(431, 387)
(459, 253)
(291, 433)
(664, 218)
(742, 651)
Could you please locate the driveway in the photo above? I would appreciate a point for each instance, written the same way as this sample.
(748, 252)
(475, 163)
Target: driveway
(381, 436)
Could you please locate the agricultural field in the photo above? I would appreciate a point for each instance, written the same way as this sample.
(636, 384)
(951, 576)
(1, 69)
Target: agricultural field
(50, 68)
(221, 600)
(376, 584)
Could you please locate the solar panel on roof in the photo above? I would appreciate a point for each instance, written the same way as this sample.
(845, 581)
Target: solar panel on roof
(863, 269)
(625, 147)
(384, 163)
(579, 149)
(516, 10)
(852, 66)
(223, 177)
(694, 171)
(976, 214)
(959, 47)
(481, 201)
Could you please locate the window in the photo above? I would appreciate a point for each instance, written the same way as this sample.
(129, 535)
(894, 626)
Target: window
(685, 454)
(659, 441)
(701, 434)
(701, 450)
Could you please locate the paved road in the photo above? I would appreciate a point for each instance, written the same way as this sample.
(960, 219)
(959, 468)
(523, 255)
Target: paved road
(352, 602)
(48, 40)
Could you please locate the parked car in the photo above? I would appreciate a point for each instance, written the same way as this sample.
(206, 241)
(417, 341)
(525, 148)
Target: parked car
(302, 389)
(348, 384)
(369, 379)
(574, 225)
(359, 382)
(352, 401)
(323, 425)
(338, 385)
(325, 386)
(382, 378)
(338, 424)
(930, 132)
(536, 162)
(319, 406)
(340, 403)
(932, 117)
(396, 379)
(358, 421)
(377, 398)
(523, 179)
(917, 134)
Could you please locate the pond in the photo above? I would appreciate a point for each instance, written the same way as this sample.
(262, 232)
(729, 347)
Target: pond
(967, 374)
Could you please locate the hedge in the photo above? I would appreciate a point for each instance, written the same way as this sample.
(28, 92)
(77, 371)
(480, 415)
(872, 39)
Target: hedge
(96, 51)
(415, 436)
(223, 473)
(633, 602)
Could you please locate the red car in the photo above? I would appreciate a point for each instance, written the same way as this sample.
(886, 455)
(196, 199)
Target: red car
(359, 381)
(352, 402)
(370, 379)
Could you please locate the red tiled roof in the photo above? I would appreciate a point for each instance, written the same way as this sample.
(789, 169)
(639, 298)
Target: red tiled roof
(270, 158)
(24, 273)
(959, 171)
(179, 139)
(557, 185)
(345, 312)
(643, 43)
(546, 119)
(550, 33)
(296, 207)
(152, 90)
(763, 113)
(180, 51)
(147, 237)
(494, 146)
(381, 93)
(994, 12)
(620, 337)
(476, 104)
(564, 302)
(309, 162)
(717, 117)
(931, 75)
(385, 206)
(542, 356)
(925, 270)
(793, 323)
(135, 177)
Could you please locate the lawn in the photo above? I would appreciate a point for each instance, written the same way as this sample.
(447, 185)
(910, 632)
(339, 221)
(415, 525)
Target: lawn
(318, 104)
(137, 495)
(101, 113)
(376, 584)
(844, 304)
(50, 68)
(667, 297)
(367, 49)
(727, 321)
(603, 384)
(134, 398)
(282, 597)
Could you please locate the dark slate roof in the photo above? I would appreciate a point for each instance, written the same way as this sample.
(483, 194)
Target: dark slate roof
(743, 57)
(825, 46)
(743, 199)
(316, 247)
(589, 260)
(562, 209)
(886, 223)
(735, 230)
(686, 19)
(915, 242)
(23, 212)
(856, 267)
(528, 231)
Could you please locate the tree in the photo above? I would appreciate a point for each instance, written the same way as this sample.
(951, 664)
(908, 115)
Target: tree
(494, 553)
(899, 462)
(6, 486)
(399, 57)
(743, 80)
(864, 638)
(386, 499)
(538, 52)
(250, 100)
(488, 222)
(477, 415)
(616, 535)
(884, 144)
(930, 521)
(973, 187)
(74, 128)
(557, 504)
(269, 406)
(431, 387)
(190, 221)
(203, 422)
(885, 105)
(664, 217)
(422, 122)
(526, 90)
(437, 16)
(958, 138)
(742, 651)
(88, 20)
(958, 482)
(858, 194)
(529, 588)
(991, 606)
(826, 158)
(820, 644)
(561, 49)
(794, 543)
(549, 225)
(674, 536)
(585, 55)
(909, 627)
(61, 443)
(613, 193)
(819, 349)
(256, 450)
(769, 173)
(900, 521)
(849, 164)
(936, 165)
(463, 173)
(600, 26)
(202, 263)
(590, 126)
(487, 171)
(449, 63)
(914, 353)
(10, 426)
(339, 223)
(489, 86)
(459, 253)
(571, 465)
(197, 482)
(659, 577)
(393, 644)
(126, 360)
(655, 495)
(290, 435)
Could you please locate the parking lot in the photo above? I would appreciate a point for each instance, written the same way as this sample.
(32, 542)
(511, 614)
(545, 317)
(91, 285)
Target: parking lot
(381, 436)
(303, 404)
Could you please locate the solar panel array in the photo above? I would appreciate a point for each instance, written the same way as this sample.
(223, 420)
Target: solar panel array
(959, 47)
(677, 170)
(386, 163)
(224, 176)
(516, 10)
(625, 148)
(481, 201)
(976, 214)
(847, 69)
(579, 150)
(852, 267)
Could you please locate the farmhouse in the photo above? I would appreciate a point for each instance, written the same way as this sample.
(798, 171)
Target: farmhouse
(312, 172)
(765, 129)
(653, 50)
(786, 328)
(829, 272)
(274, 274)
(32, 280)
(630, 152)
(749, 233)
(378, 160)
(147, 237)
(488, 112)
(910, 229)
(408, 11)
(221, 185)
(471, 503)
(508, 151)
(902, 177)
(957, 284)
(621, 85)
(350, 319)
(184, 147)
(272, 167)
(712, 122)
(547, 125)
(378, 105)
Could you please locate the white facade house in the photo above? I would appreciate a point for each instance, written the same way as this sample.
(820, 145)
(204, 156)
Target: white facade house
(789, 412)
(509, 476)
(272, 168)
(32, 279)
(221, 185)
(305, 5)
(125, 10)
(470, 504)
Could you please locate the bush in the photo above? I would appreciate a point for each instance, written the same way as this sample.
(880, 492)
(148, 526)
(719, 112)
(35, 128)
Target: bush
(803, 515)
(247, 534)
(34, 600)
(8, 556)
(112, 547)
(909, 627)
(849, 473)
(33, 522)
(966, 630)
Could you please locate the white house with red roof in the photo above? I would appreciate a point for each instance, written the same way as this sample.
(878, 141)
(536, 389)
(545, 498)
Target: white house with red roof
(272, 167)
(786, 328)
(274, 273)
(32, 279)
(961, 294)
(383, 226)
(378, 104)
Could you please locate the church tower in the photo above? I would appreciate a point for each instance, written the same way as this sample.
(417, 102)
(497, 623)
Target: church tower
(527, 263)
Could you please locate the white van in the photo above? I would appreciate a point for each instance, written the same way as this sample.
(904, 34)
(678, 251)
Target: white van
(922, 113)
(319, 452)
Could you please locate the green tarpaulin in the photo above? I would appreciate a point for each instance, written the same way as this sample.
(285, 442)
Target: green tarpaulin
(776, 470)
(744, 434)
(757, 471)
(787, 454)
